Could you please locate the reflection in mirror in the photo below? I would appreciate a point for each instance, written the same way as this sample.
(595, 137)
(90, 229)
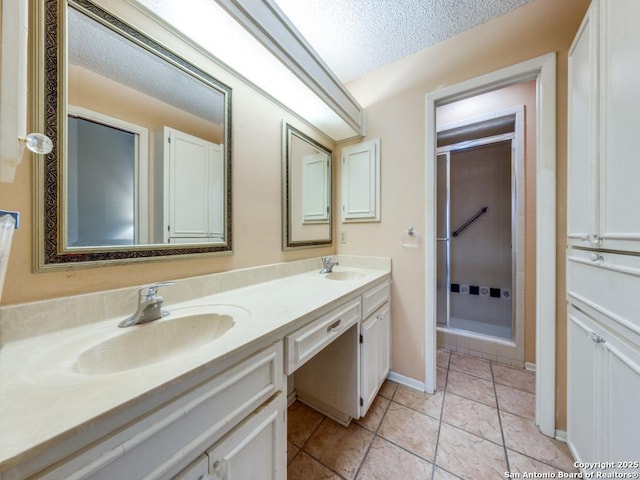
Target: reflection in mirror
(143, 159)
(306, 180)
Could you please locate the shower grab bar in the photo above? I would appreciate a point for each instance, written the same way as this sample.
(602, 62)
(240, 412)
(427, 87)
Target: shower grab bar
(470, 221)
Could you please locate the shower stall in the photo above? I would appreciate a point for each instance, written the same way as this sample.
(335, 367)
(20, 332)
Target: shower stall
(478, 213)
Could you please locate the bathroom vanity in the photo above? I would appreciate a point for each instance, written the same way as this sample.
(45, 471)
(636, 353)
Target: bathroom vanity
(90, 400)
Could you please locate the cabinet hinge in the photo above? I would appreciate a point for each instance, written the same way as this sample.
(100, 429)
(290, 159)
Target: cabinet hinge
(168, 228)
(360, 338)
(169, 139)
(361, 402)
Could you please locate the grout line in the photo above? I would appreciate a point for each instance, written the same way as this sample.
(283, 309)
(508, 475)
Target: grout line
(504, 441)
(444, 397)
(375, 434)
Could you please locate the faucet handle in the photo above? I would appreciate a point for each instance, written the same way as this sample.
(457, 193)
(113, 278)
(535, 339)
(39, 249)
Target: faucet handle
(326, 260)
(151, 291)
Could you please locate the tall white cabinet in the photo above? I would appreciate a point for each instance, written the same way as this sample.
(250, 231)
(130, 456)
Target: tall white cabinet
(603, 258)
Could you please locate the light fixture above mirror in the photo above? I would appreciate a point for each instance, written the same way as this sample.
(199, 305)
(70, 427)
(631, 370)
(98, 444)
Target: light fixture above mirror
(269, 53)
(166, 190)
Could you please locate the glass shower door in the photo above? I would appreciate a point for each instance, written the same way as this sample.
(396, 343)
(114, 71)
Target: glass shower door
(442, 238)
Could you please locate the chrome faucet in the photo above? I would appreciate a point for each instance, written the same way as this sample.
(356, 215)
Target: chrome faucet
(149, 306)
(327, 264)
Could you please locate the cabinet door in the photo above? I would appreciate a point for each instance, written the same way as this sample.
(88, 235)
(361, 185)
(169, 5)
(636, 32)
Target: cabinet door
(620, 123)
(374, 355)
(198, 470)
(582, 389)
(255, 449)
(189, 192)
(621, 421)
(361, 182)
(582, 188)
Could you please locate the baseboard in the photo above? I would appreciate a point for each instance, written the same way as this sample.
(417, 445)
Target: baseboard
(530, 366)
(291, 398)
(561, 436)
(406, 381)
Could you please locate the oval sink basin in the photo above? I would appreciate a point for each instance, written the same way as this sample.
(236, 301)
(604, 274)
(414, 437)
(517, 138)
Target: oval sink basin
(344, 275)
(182, 331)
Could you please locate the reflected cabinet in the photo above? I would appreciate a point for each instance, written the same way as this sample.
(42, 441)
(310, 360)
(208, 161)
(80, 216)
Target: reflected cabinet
(306, 191)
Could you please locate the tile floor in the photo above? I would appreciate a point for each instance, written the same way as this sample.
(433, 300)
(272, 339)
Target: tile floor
(478, 425)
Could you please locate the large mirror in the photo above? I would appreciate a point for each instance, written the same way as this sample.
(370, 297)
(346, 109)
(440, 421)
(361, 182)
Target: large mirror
(306, 187)
(142, 160)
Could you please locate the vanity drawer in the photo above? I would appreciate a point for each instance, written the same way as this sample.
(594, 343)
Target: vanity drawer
(373, 298)
(309, 340)
(164, 442)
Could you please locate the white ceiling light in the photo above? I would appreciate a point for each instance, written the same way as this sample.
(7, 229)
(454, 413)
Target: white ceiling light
(257, 41)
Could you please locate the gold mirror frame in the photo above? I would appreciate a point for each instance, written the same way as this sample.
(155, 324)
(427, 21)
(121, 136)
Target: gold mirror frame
(48, 71)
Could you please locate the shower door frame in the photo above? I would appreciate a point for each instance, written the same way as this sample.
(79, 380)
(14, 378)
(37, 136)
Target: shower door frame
(517, 244)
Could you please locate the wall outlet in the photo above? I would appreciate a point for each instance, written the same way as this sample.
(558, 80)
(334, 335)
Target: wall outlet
(342, 237)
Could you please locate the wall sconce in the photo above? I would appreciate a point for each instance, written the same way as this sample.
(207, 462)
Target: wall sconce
(13, 92)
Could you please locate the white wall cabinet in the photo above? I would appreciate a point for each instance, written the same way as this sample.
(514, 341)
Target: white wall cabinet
(190, 177)
(604, 117)
(361, 182)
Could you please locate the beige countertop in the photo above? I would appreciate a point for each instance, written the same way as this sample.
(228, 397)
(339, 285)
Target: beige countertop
(43, 401)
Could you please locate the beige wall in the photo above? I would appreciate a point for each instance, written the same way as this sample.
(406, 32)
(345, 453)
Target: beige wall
(523, 93)
(257, 136)
(394, 97)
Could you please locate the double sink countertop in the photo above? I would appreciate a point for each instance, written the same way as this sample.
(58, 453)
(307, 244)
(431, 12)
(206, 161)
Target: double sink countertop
(44, 400)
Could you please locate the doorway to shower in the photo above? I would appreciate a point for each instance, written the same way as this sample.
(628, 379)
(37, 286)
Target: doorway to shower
(479, 178)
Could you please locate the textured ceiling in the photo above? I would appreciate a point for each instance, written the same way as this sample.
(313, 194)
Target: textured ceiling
(97, 48)
(355, 37)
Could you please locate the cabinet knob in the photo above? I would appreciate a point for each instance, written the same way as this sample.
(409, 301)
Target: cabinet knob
(594, 240)
(596, 257)
(220, 468)
(596, 338)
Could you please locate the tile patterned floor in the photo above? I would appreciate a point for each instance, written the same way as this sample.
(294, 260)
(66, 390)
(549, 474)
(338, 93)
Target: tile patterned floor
(478, 425)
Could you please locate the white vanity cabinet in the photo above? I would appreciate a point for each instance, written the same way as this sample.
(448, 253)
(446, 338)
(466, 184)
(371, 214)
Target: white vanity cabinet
(198, 470)
(189, 183)
(604, 118)
(254, 449)
(375, 355)
(343, 376)
(166, 438)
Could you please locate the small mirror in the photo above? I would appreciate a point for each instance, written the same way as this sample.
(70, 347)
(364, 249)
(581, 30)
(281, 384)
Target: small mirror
(142, 160)
(306, 186)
